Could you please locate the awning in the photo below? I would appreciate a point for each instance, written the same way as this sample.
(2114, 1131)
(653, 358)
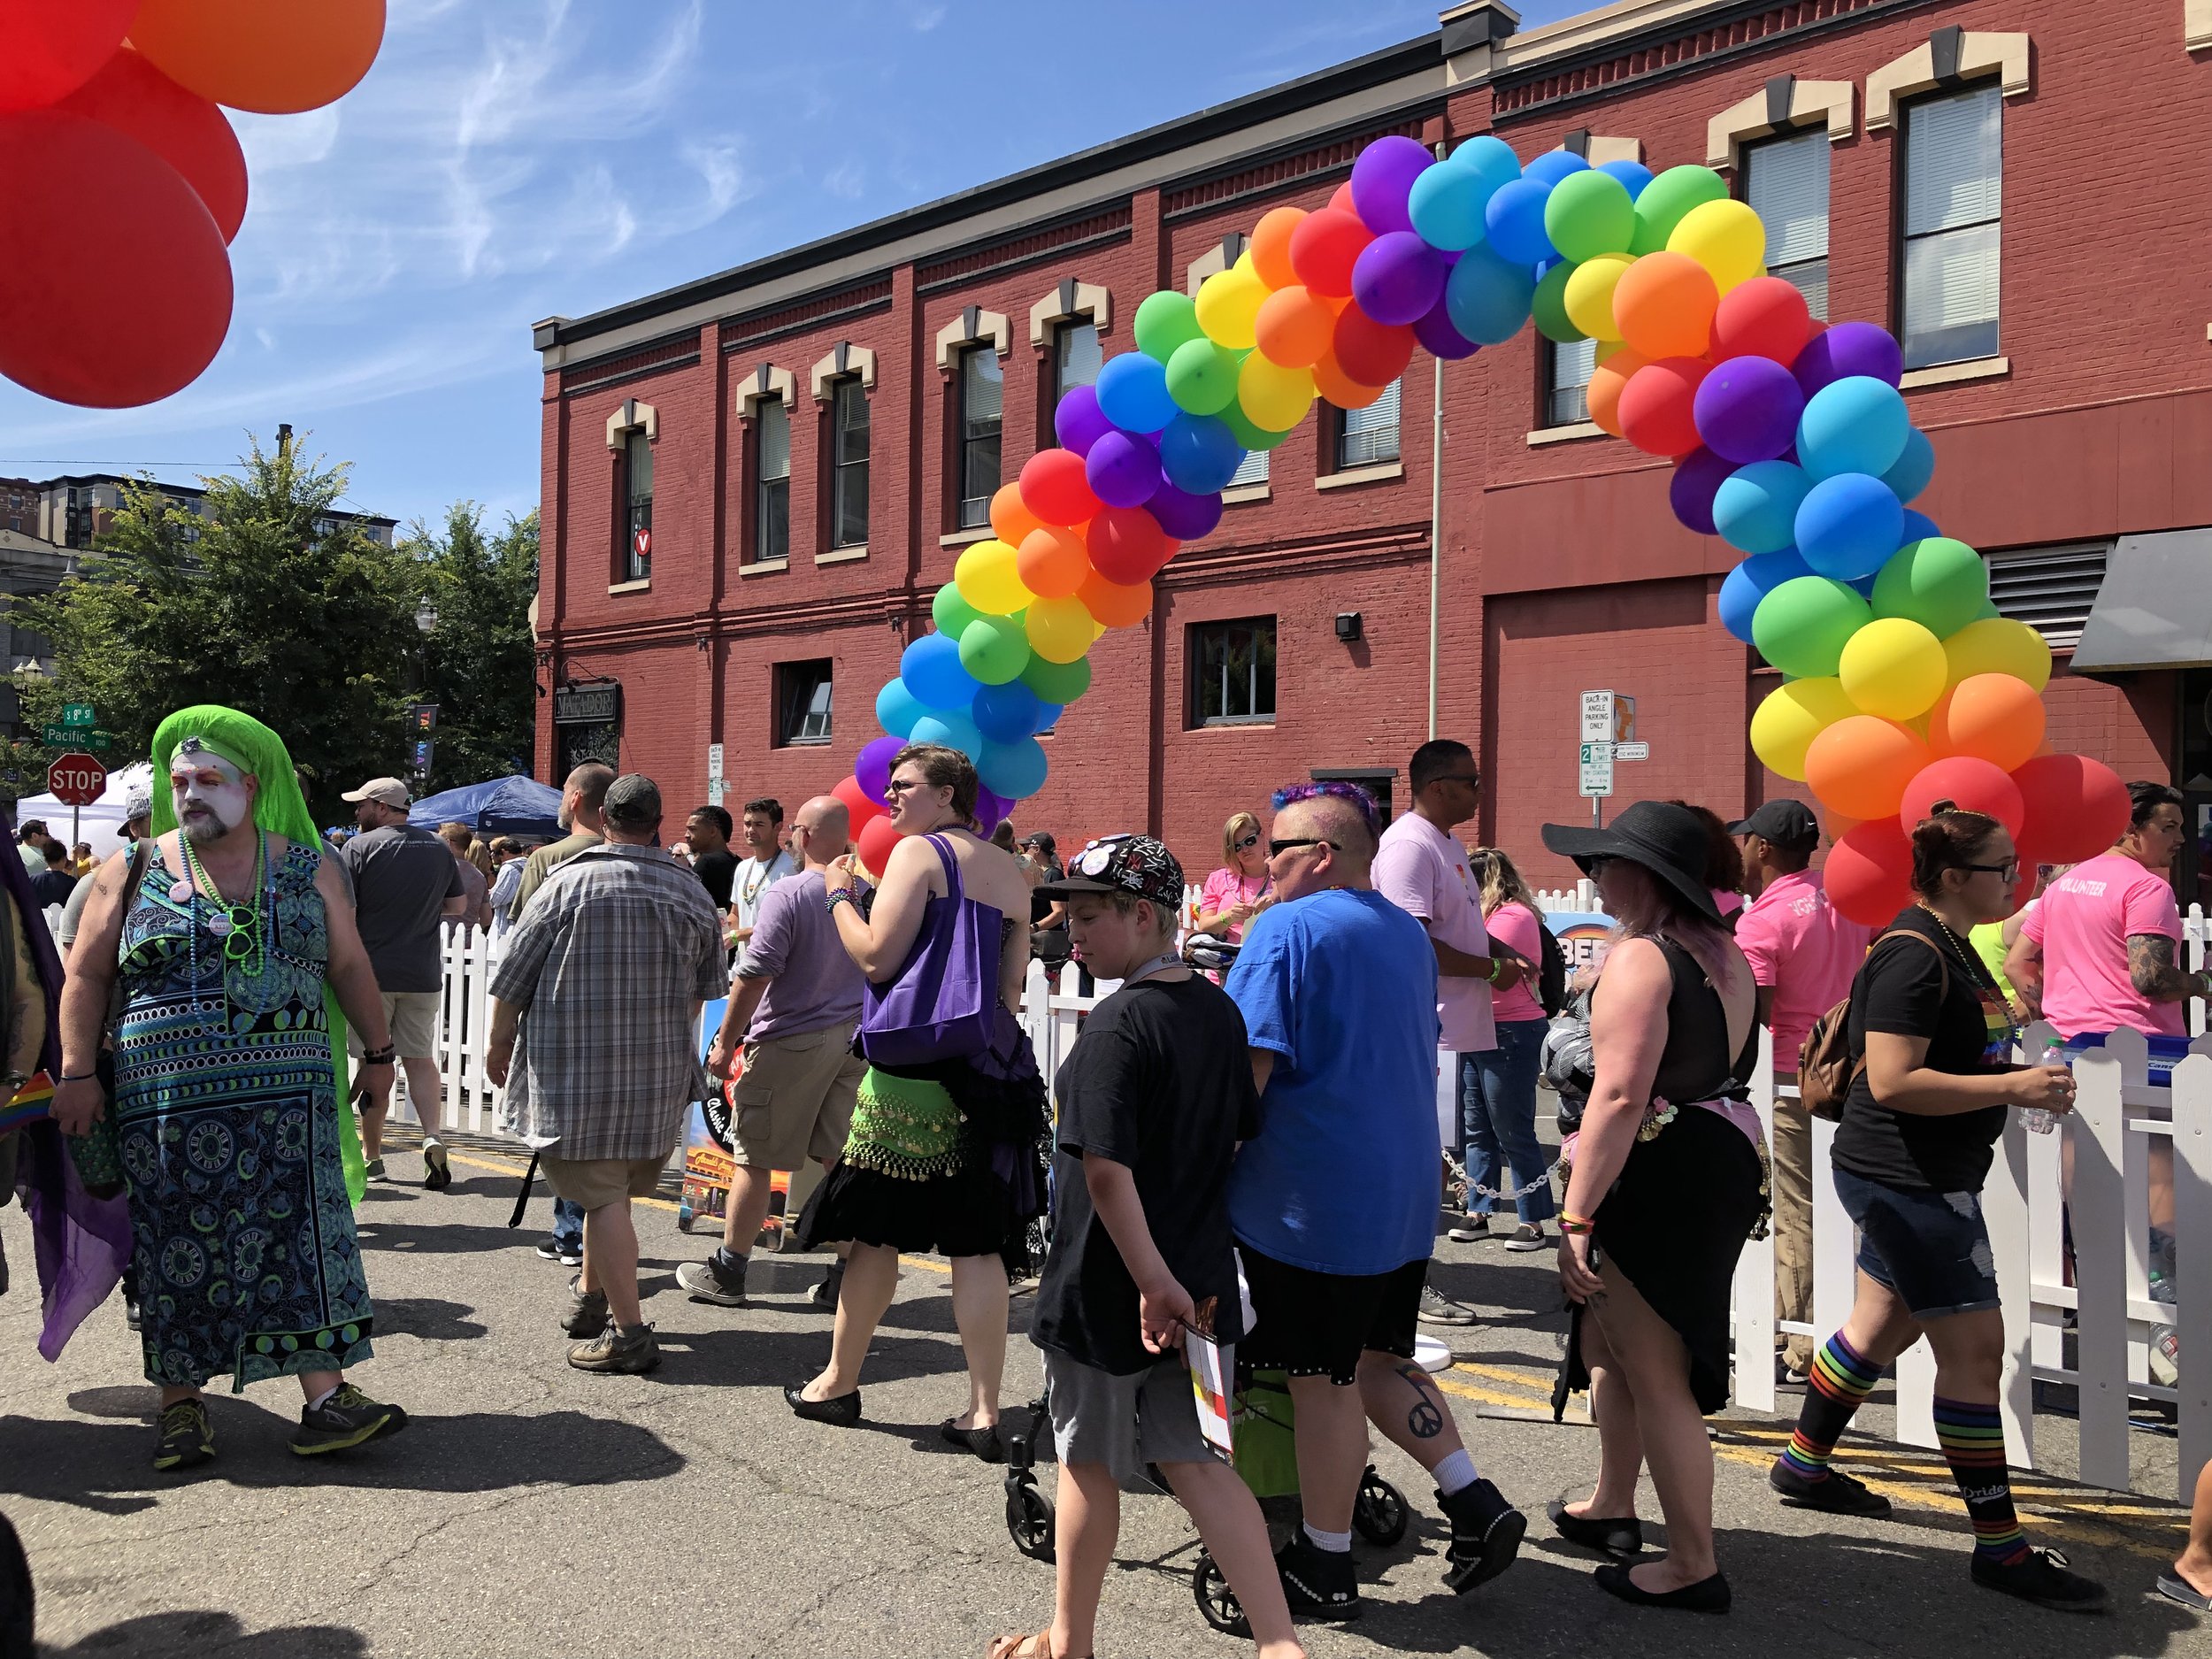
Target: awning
(2154, 609)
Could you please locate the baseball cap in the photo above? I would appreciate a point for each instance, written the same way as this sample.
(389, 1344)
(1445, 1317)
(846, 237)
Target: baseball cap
(1786, 823)
(390, 791)
(1136, 864)
(634, 802)
(1042, 840)
(138, 803)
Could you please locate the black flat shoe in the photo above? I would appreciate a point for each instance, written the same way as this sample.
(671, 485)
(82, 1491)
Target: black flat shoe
(1707, 1595)
(983, 1442)
(1622, 1535)
(839, 1412)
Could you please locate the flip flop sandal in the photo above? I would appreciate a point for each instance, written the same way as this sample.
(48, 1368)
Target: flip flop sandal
(1017, 1646)
(2174, 1587)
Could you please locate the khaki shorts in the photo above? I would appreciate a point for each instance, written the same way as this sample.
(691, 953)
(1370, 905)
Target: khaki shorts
(413, 1018)
(795, 1099)
(596, 1183)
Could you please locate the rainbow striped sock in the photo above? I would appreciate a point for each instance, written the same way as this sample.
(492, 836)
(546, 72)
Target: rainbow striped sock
(1840, 1379)
(1973, 1440)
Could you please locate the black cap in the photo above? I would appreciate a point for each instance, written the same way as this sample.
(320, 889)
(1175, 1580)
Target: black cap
(1136, 864)
(1790, 825)
(1042, 840)
(634, 802)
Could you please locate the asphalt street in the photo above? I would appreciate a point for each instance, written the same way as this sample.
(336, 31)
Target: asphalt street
(533, 1510)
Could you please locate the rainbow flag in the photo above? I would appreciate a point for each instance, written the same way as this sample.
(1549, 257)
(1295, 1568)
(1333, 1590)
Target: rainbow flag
(34, 1101)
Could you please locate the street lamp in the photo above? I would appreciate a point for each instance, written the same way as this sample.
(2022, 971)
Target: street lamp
(426, 617)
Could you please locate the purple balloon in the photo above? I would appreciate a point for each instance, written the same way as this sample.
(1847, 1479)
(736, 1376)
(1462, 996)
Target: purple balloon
(1697, 479)
(1381, 179)
(1438, 338)
(1184, 516)
(1849, 348)
(990, 810)
(1122, 469)
(1748, 408)
(1398, 278)
(872, 771)
(1079, 422)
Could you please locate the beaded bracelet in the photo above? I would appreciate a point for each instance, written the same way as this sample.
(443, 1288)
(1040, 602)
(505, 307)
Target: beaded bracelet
(837, 897)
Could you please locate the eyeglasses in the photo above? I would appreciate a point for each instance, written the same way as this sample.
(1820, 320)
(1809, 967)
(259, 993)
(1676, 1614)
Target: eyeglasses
(2010, 870)
(1467, 778)
(1276, 849)
(1248, 843)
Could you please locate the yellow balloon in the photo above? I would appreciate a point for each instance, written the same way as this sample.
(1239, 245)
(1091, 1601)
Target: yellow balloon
(1725, 237)
(1229, 308)
(1792, 716)
(1060, 630)
(1998, 645)
(1589, 296)
(1893, 667)
(1274, 398)
(987, 578)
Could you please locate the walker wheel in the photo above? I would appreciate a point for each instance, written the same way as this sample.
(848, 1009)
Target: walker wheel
(1218, 1604)
(1029, 1519)
(1379, 1511)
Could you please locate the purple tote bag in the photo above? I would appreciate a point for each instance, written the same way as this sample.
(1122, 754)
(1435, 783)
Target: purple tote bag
(940, 1005)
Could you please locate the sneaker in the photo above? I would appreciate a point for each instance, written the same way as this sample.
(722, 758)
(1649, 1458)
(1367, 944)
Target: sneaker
(2041, 1576)
(825, 1293)
(631, 1353)
(568, 1253)
(1474, 1230)
(1486, 1532)
(1786, 1375)
(375, 1171)
(347, 1418)
(711, 1281)
(183, 1437)
(1527, 1237)
(587, 1315)
(437, 1175)
(1836, 1494)
(1438, 1309)
(1318, 1583)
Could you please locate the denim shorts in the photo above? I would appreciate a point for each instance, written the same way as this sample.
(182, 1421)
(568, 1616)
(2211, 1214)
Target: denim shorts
(1930, 1248)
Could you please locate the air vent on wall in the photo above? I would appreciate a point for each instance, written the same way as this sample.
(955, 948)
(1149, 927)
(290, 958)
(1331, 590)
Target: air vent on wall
(2050, 588)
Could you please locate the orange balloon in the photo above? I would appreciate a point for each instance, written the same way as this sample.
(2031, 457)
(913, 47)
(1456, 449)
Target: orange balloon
(1859, 767)
(1052, 561)
(1663, 306)
(1114, 604)
(1011, 521)
(1294, 327)
(1269, 247)
(1340, 387)
(1996, 718)
(271, 56)
(1834, 825)
(1606, 383)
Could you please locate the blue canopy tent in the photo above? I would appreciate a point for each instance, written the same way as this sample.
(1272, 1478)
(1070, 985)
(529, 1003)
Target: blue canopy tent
(513, 805)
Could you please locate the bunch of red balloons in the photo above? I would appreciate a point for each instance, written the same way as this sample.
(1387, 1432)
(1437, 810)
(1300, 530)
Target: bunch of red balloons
(126, 182)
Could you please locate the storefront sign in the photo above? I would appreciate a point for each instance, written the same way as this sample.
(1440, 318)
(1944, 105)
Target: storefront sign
(598, 705)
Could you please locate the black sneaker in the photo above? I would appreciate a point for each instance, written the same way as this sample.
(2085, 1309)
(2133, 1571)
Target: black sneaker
(437, 1175)
(560, 1250)
(1487, 1534)
(1438, 1309)
(1472, 1230)
(587, 1315)
(183, 1437)
(711, 1281)
(2041, 1576)
(1837, 1494)
(630, 1353)
(833, 1281)
(347, 1418)
(1318, 1583)
(1526, 1238)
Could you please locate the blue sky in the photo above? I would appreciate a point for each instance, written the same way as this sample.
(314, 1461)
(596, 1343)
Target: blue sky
(508, 161)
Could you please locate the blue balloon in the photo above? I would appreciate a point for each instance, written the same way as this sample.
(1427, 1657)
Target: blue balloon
(1446, 205)
(1012, 769)
(1856, 424)
(1848, 525)
(1755, 508)
(1555, 165)
(1131, 390)
(1513, 221)
(1918, 525)
(1049, 715)
(1007, 713)
(1635, 174)
(931, 668)
(955, 728)
(897, 708)
(1912, 471)
(1740, 597)
(1487, 297)
(1489, 158)
(1198, 454)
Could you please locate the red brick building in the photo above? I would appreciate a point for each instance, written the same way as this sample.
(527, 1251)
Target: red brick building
(2019, 188)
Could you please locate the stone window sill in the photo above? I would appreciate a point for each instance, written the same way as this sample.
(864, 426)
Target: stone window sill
(1351, 476)
(643, 585)
(962, 538)
(1951, 373)
(1245, 492)
(763, 568)
(843, 555)
(1543, 435)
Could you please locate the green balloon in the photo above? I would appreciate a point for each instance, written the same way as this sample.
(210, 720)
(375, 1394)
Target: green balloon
(1940, 583)
(1164, 322)
(953, 613)
(1201, 377)
(1663, 202)
(1057, 682)
(994, 650)
(1550, 308)
(1248, 435)
(1801, 625)
(1589, 213)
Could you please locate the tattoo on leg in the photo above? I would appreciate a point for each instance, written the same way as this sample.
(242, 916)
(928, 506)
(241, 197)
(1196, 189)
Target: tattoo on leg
(1425, 1420)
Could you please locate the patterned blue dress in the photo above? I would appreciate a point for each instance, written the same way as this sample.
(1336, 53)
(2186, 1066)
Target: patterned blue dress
(227, 1109)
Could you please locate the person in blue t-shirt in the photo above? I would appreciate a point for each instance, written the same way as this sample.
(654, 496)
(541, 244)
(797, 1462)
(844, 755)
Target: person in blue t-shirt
(1334, 1203)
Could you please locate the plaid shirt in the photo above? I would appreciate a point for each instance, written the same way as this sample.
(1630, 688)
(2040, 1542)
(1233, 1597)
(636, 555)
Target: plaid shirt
(607, 963)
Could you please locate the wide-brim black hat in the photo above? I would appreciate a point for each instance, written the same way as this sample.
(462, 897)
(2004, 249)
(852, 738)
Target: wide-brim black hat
(1669, 841)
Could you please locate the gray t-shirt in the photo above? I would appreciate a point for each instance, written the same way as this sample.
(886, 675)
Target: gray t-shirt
(813, 984)
(402, 877)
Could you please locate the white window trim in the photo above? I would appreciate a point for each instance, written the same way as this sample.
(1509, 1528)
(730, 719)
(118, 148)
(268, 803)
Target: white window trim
(1812, 103)
(633, 417)
(2196, 25)
(2005, 56)
(1071, 301)
(842, 359)
(1215, 260)
(763, 383)
(972, 326)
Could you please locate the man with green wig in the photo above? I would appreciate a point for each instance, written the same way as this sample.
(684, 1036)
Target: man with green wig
(231, 942)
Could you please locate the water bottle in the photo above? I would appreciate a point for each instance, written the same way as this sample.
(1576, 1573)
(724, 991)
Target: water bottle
(2039, 1120)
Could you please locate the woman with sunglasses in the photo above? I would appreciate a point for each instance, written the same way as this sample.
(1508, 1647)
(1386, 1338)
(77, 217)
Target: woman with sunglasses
(1932, 1041)
(1240, 889)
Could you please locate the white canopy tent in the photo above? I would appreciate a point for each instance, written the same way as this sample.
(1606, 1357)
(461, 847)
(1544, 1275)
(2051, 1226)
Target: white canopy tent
(101, 822)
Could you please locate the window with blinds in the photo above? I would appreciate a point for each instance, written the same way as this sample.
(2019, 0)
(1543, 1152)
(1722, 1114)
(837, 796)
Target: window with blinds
(1251, 470)
(637, 516)
(1233, 671)
(772, 453)
(982, 416)
(849, 470)
(1076, 358)
(1954, 200)
(1567, 367)
(2050, 588)
(1368, 436)
(1786, 183)
(803, 702)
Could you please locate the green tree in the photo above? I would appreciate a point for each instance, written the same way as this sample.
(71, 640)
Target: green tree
(480, 662)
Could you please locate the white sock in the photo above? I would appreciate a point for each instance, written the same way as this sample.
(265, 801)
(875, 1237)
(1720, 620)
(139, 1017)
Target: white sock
(322, 1399)
(1455, 1473)
(1331, 1543)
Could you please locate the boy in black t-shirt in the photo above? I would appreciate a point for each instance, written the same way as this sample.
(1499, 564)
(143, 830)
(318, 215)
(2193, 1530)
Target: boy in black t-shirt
(1154, 1098)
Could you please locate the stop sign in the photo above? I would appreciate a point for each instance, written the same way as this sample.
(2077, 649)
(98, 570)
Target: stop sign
(76, 779)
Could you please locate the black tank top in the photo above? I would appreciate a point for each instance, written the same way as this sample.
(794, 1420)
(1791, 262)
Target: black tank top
(1694, 1064)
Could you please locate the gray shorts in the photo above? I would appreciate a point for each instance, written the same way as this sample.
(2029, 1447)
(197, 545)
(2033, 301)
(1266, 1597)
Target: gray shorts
(1148, 1417)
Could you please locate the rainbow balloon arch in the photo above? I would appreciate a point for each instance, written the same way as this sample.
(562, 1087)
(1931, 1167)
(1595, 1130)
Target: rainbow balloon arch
(1903, 687)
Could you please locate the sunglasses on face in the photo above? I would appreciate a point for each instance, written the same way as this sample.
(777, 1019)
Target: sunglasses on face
(1248, 843)
(900, 786)
(1276, 849)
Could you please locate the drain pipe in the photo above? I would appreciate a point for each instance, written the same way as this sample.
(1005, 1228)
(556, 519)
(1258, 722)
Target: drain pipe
(1436, 528)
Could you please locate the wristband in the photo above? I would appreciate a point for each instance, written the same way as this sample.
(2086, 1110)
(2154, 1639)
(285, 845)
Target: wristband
(81, 1076)
(1575, 1223)
(379, 1057)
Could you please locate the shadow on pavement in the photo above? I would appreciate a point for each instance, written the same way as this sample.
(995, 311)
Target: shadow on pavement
(444, 1238)
(159, 1635)
(426, 1317)
(746, 1356)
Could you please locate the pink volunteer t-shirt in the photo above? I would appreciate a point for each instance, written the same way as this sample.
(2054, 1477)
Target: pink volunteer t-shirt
(2083, 926)
(1226, 887)
(1423, 871)
(1515, 924)
(1804, 949)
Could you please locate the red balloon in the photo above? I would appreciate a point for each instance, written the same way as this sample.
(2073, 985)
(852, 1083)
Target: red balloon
(875, 841)
(1869, 872)
(1372, 353)
(2077, 808)
(863, 807)
(181, 127)
(1340, 199)
(1054, 486)
(1323, 248)
(122, 306)
(49, 48)
(1657, 408)
(1974, 784)
(1128, 546)
(1765, 317)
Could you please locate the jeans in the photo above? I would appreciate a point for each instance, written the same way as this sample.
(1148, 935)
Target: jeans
(568, 1222)
(1497, 1113)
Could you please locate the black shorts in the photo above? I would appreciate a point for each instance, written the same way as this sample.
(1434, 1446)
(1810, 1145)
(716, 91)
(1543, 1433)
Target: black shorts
(1307, 1324)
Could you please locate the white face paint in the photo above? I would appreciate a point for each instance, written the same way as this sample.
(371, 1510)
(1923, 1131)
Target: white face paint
(209, 793)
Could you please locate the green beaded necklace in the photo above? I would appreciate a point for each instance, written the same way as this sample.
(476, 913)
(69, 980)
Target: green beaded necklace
(237, 925)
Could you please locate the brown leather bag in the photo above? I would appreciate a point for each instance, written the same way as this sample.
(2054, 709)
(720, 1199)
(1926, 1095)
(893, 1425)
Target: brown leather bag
(1825, 1069)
